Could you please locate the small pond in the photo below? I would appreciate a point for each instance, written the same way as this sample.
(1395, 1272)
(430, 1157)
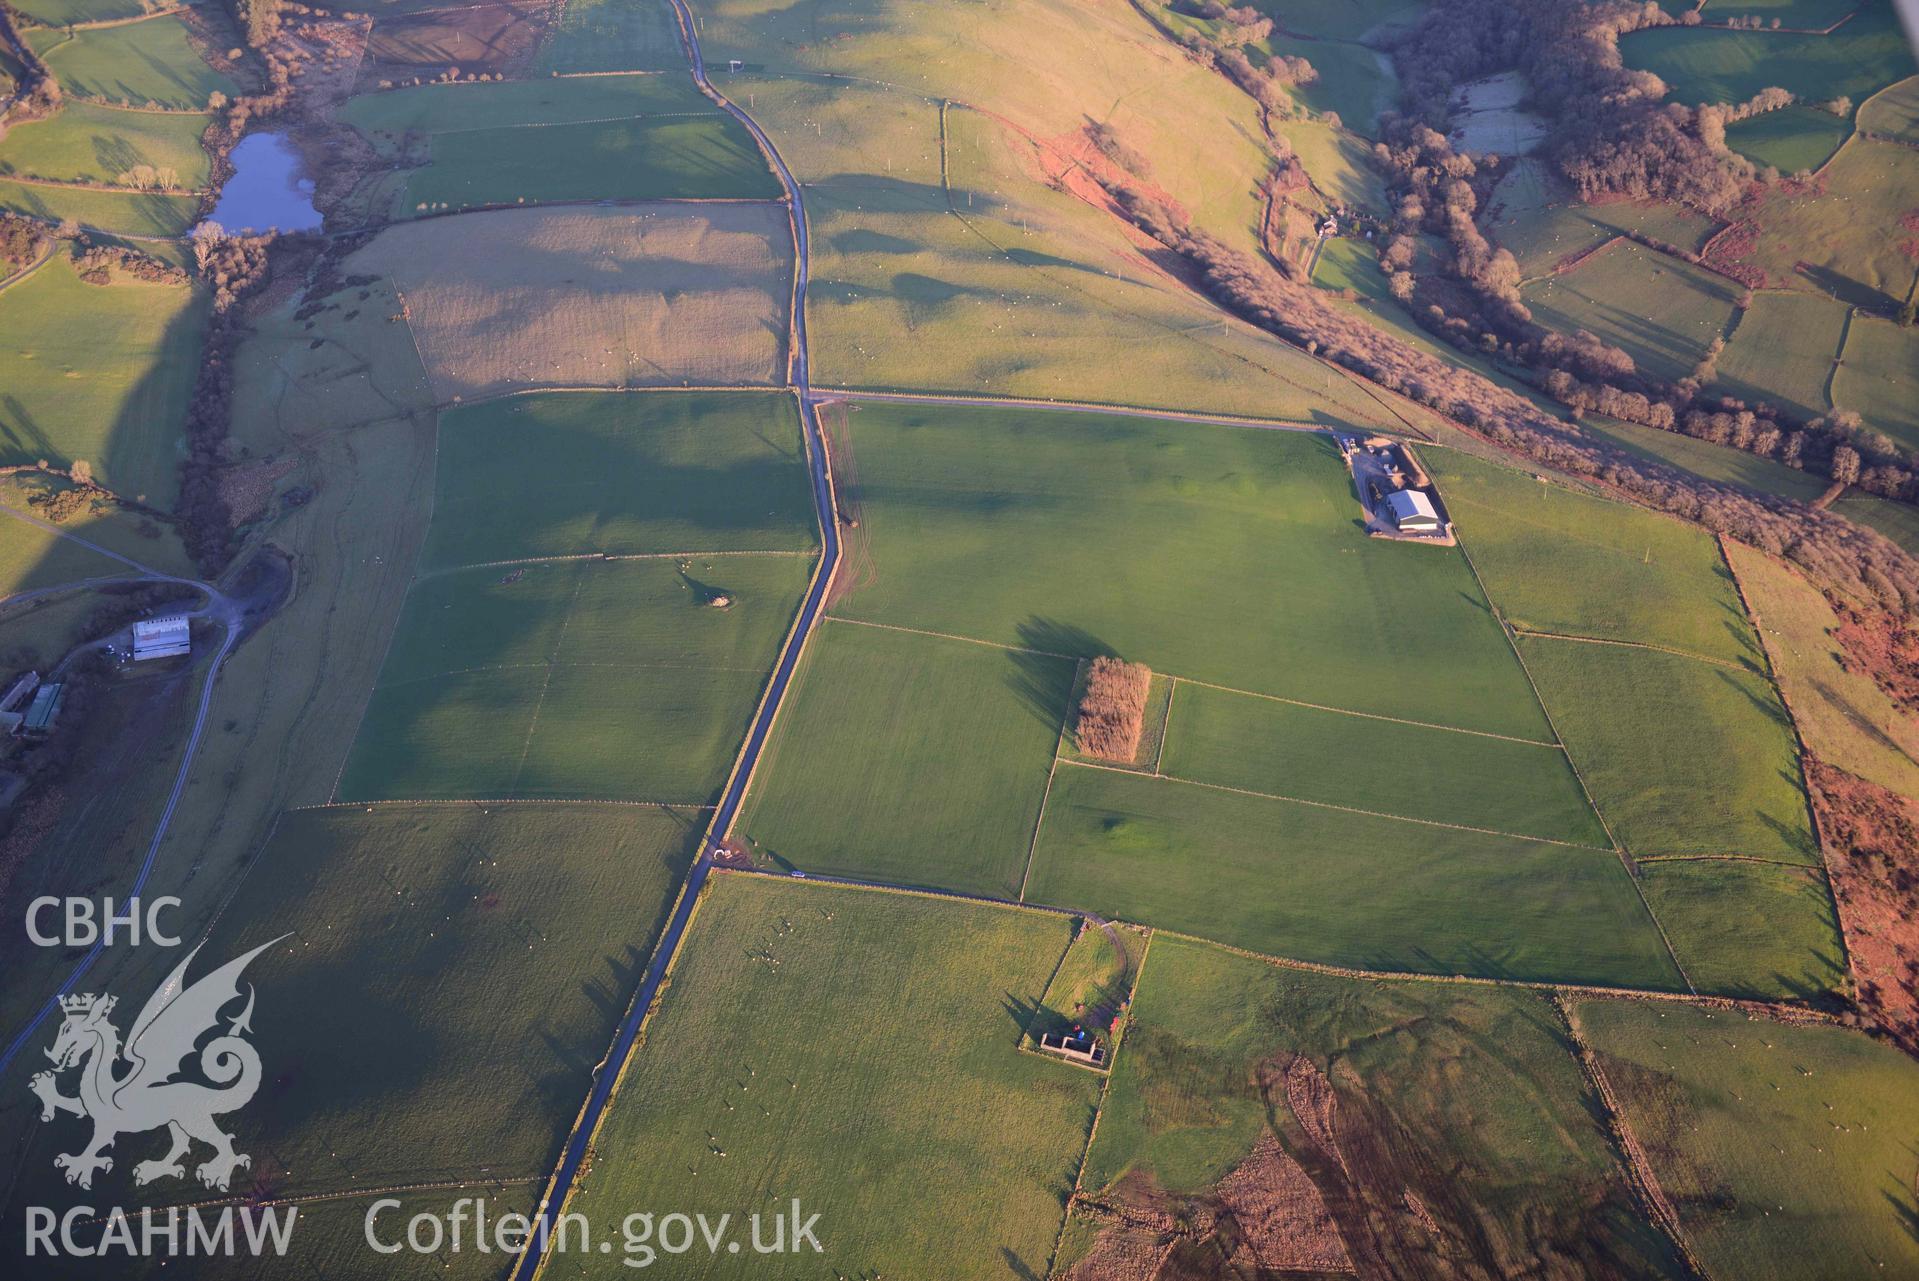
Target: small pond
(267, 189)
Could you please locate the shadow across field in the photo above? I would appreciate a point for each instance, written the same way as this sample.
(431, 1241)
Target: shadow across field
(1035, 668)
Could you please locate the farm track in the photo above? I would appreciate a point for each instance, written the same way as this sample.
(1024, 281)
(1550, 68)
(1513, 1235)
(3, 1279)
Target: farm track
(607, 1074)
(221, 609)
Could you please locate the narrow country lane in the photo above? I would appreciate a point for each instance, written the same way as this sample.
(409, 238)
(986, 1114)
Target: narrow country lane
(608, 1072)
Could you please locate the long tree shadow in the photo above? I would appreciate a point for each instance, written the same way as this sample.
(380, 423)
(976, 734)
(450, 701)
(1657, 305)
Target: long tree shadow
(1044, 667)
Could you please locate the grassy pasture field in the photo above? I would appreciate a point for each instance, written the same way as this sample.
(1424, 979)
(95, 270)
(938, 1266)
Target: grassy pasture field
(613, 35)
(1845, 717)
(1792, 140)
(1702, 64)
(350, 365)
(910, 759)
(1703, 458)
(1662, 311)
(646, 159)
(1893, 111)
(1542, 221)
(1240, 547)
(622, 474)
(1787, 1151)
(386, 117)
(59, 13)
(449, 978)
(1042, 65)
(1340, 163)
(32, 557)
(489, 37)
(1332, 20)
(1843, 239)
(1897, 521)
(141, 63)
(1468, 1102)
(1555, 560)
(1811, 15)
(100, 373)
(601, 680)
(85, 143)
(1326, 885)
(1783, 352)
(1003, 284)
(1880, 378)
(593, 297)
(1681, 756)
(1356, 82)
(1260, 745)
(858, 1050)
(1745, 929)
(145, 213)
(627, 137)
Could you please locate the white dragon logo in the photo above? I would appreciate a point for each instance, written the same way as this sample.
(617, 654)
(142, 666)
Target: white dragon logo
(146, 1097)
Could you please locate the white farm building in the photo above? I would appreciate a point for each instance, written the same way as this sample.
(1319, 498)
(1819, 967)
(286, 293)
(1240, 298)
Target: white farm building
(161, 638)
(1412, 511)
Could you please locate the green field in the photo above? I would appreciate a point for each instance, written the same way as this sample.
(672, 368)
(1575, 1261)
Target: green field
(1897, 521)
(1541, 220)
(1240, 550)
(1660, 310)
(614, 35)
(1023, 293)
(1558, 561)
(910, 759)
(1468, 1101)
(100, 373)
(1748, 929)
(1346, 889)
(388, 116)
(449, 978)
(85, 143)
(1791, 140)
(1844, 716)
(1356, 82)
(33, 557)
(1783, 352)
(595, 679)
(628, 137)
(1681, 756)
(58, 13)
(1843, 239)
(347, 365)
(1703, 458)
(620, 474)
(1259, 745)
(1340, 163)
(117, 213)
(1880, 378)
(1705, 65)
(857, 1050)
(1337, 20)
(1894, 112)
(709, 156)
(1787, 1151)
(141, 63)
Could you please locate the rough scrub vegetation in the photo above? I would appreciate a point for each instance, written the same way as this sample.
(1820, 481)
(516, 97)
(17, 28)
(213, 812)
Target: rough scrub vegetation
(1112, 712)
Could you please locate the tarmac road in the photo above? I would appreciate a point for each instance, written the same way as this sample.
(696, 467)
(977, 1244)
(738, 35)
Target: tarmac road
(608, 1072)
